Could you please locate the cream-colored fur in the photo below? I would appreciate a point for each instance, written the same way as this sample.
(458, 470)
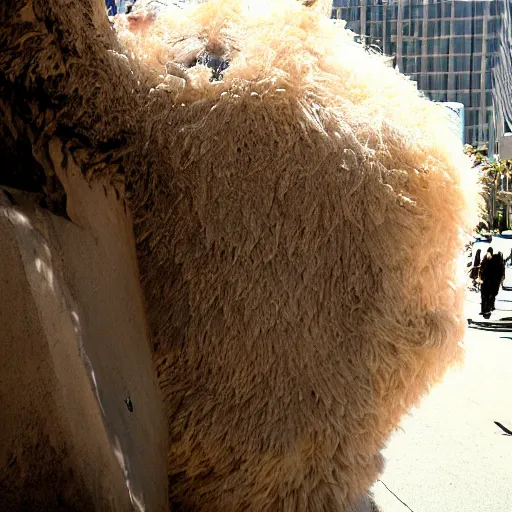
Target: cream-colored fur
(298, 225)
(298, 239)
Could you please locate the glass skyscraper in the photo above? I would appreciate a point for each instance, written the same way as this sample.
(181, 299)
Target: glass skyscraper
(449, 47)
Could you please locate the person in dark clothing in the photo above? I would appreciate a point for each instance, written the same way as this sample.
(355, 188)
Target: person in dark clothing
(497, 277)
(492, 273)
(111, 7)
(509, 258)
(475, 269)
(486, 287)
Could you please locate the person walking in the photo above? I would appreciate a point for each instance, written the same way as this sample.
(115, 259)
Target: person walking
(508, 261)
(475, 269)
(486, 286)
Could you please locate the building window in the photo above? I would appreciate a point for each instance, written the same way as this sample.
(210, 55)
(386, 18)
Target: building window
(432, 29)
(463, 9)
(441, 46)
(376, 30)
(477, 44)
(441, 64)
(478, 8)
(438, 96)
(488, 80)
(434, 10)
(392, 11)
(475, 81)
(459, 27)
(438, 82)
(492, 45)
(476, 62)
(377, 13)
(464, 98)
(461, 45)
(413, 31)
(417, 11)
(446, 9)
(493, 26)
(461, 81)
(452, 95)
(477, 26)
(460, 63)
(404, 66)
(472, 116)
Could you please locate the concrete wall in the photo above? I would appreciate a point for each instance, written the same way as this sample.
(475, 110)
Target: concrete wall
(82, 424)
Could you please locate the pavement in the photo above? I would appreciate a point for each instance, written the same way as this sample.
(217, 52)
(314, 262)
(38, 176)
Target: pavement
(453, 452)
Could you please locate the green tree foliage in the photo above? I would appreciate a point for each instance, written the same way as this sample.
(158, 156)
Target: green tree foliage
(490, 173)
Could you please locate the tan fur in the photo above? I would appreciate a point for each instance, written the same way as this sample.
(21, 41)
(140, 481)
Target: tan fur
(297, 242)
(298, 225)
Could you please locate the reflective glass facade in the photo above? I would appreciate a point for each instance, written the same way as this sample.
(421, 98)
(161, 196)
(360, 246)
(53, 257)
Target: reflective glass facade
(449, 47)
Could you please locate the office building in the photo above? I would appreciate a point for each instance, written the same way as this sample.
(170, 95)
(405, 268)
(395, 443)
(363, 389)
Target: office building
(449, 47)
(502, 86)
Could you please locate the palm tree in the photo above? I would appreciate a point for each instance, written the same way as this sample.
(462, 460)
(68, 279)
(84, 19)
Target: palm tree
(494, 176)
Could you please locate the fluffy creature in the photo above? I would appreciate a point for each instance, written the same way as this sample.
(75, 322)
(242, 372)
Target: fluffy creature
(289, 243)
(291, 210)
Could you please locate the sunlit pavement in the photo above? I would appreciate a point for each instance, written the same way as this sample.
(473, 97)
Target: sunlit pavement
(450, 455)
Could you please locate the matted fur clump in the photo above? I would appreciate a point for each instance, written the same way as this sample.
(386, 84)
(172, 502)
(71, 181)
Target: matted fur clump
(298, 226)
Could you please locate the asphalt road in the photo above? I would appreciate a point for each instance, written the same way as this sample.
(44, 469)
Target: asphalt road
(450, 455)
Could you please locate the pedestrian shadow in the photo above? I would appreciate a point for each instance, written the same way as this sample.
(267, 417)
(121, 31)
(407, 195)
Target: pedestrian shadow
(489, 326)
(505, 429)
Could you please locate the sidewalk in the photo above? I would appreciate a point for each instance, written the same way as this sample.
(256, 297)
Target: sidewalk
(453, 452)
